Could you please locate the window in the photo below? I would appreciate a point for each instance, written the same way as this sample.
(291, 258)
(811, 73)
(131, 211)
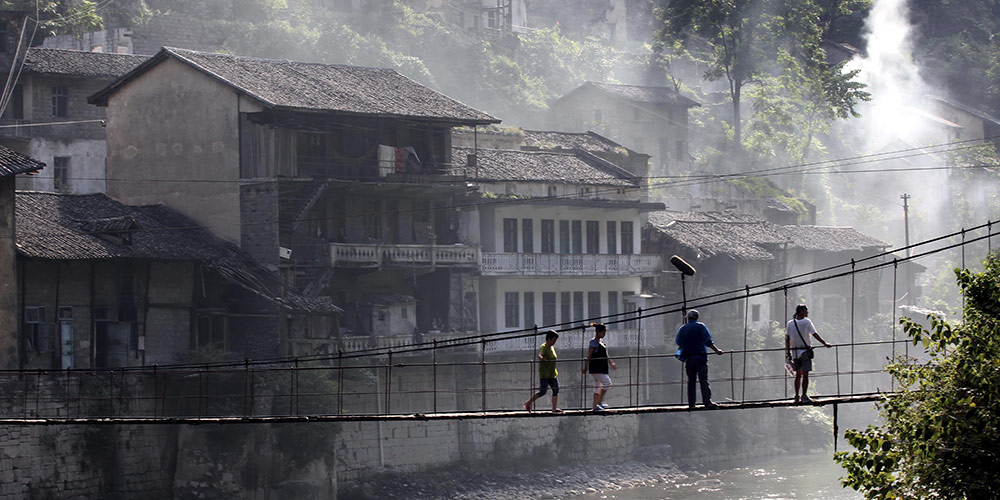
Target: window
(613, 310)
(60, 100)
(548, 236)
(564, 307)
(755, 312)
(553, 191)
(577, 236)
(585, 192)
(60, 173)
(527, 236)
(593, 236)
(529, 309)
(39, 334)
(510, 189)
(511, 310)
(510, 235)
(594, 306)
(578, 307)
(630, 312)
(211, 331)
(612, 237)
(564, 236)
(627, 247)
(548, 308)
(373, 219)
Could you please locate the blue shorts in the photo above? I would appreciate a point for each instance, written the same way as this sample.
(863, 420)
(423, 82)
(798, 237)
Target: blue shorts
(545, 383)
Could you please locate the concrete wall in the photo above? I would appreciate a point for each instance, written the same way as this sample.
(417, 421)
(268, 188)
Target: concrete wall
(414, 446)
(178, 129)
(86, 165)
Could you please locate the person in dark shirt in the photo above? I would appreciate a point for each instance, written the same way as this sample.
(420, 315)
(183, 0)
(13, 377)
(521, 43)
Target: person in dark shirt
(547, 372)
(693, 338)
(597, 363)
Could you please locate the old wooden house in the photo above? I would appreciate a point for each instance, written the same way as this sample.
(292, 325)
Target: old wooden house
(731, 250)
(101, 284)
(338, 176)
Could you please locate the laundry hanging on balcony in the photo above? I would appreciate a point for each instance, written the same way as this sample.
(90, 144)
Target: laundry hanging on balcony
(398, 160)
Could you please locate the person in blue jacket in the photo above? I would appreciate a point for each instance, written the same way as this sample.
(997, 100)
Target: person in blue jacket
(693, 338)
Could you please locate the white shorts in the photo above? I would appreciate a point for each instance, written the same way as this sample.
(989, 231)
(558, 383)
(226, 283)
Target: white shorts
(601, 381)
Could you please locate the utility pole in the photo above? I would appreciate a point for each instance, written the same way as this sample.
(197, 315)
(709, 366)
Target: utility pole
(906, 234)
(906, 220)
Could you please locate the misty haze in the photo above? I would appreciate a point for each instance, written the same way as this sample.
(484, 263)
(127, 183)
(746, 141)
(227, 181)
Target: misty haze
(499, 249)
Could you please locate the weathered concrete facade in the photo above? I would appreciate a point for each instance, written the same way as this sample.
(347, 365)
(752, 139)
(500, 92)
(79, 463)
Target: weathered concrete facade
(194, 168)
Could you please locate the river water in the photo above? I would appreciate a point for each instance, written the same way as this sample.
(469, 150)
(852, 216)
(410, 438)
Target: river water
(783, 477)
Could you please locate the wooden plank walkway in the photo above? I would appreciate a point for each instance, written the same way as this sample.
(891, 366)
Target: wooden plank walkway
(423, 417)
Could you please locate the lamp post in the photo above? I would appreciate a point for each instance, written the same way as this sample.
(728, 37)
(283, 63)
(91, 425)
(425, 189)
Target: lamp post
(685, 270)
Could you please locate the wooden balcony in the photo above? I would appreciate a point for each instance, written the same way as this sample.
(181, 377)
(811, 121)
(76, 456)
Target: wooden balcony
(547, 264)
(379, 255)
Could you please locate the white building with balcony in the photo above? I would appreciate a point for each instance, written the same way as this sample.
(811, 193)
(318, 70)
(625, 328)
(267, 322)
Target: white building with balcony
(559, 234)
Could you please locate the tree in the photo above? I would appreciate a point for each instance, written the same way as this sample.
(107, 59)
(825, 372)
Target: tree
(746, 41)
(941, 429)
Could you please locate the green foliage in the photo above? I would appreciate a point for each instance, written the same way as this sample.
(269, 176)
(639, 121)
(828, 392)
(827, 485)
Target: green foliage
(941, 428)
(773, 46)
(764, 188)
(55, 17)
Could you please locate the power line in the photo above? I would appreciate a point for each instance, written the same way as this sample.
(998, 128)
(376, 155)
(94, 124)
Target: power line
(780, 285)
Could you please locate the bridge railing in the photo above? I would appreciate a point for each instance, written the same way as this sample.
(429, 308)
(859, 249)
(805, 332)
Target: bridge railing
(429, 383)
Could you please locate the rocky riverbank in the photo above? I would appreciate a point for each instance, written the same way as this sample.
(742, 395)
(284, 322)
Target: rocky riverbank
(469, 483)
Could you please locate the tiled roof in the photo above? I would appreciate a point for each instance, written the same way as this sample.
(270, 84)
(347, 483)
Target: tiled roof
(641, 93)
(87, 227)
(502, 165)
(708, 234)
(80, 63)
(968, 109)
(831, 239)
(319, 87)
(587, 141)
(12, 163)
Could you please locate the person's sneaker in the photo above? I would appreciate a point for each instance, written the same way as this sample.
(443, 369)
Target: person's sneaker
(598, 408)
(710, 404)
(796, 401)
(690, 406)
(602, 406)
(806, 398)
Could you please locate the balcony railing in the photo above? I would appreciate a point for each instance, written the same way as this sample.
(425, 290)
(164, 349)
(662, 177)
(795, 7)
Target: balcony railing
(546, 264)
(379, 255)
(618, 341)
(363, 342)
